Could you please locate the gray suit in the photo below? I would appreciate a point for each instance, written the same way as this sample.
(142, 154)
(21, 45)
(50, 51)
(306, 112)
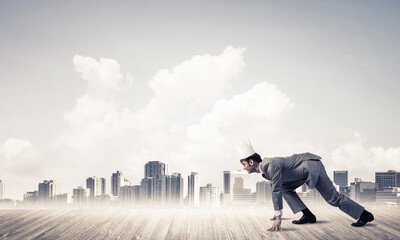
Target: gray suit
(288, 173)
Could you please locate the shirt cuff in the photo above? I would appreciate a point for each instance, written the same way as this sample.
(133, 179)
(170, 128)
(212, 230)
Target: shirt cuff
(278, 212)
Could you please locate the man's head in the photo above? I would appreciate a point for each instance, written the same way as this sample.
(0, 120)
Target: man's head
(250, 164)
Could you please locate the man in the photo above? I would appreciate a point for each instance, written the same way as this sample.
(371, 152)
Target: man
(288, 173)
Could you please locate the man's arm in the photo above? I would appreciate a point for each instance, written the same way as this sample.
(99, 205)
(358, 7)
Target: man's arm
(276, 186)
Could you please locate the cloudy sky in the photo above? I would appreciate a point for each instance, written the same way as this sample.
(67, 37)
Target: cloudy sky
(88, 88)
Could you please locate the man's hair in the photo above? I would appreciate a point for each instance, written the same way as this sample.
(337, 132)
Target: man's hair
(255, 157)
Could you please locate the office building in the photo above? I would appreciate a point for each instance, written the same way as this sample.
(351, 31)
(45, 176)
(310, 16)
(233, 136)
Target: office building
(389, 179)
(95, 186)
(237, 187)
(361, 191)
(116, 181)
(175, 190)
(81, 196)
(263, 192)
(194, 189)
(154, 168)
(129, 195)
(146, 190)
(102, 187)
(2, 190)
(209, 196)
(159, 190)
(31, 197)
(47, 191)
(340, 178)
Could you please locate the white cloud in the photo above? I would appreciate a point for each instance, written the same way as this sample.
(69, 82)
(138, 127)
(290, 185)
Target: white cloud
(362, 161)
(21, 166)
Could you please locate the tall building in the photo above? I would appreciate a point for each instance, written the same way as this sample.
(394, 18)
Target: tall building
(154, 169)
(340, 178)
(159, 190)
(263, 192)
(116, 182)
(194, 189)
(146, 190)
(95, 186)
(31, 197)
(361, 191)
(175, 190)
(47, 191)
(80, 196)
(209, 196)
(2, 190)
(129, 195)
(237, 186)
(102, 187)
(389, 179)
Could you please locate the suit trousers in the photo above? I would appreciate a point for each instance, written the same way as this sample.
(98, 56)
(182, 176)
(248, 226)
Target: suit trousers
(328, 191)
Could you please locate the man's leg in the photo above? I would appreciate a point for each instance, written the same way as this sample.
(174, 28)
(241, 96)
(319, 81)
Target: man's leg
(331, 196)
(296, 204)
(291, 197)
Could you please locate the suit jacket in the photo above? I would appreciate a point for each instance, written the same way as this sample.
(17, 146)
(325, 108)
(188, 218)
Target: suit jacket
(290, 169)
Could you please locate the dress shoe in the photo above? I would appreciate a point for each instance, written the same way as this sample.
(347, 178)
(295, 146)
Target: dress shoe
(365, 217)
(305, 219)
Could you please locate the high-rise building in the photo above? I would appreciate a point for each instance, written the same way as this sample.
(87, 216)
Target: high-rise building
(95, 186)
(194, 189)
(175, 190)
(209, 196)
(159, 190)
(47, 191)
(146, 190)
(2, 190)
(389, 179)
(154, 169)
(81, 196)
(361, 191)
(237, 186)
(102, 187)
(263, 192)
(31, 197)
(129, 195)
(340, 178)
(116, 181)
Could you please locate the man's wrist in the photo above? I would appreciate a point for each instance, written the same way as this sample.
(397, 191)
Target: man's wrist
(278, 212)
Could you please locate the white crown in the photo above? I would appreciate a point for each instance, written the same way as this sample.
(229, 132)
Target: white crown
(245, 149)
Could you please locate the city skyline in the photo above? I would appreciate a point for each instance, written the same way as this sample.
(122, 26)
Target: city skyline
(87, 92)
(155, 171)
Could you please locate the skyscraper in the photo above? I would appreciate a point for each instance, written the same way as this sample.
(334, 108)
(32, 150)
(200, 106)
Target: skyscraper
(80, 196)
(237, 186)
(340, 178)
(116, 181)
(94, 184)
(146, 190)
(387, 179)
(154, 169)
(102, 186)
(2, 190)
(263, 192)
(209, 196)
(194, 189)
(175, 190)
(47, 191)
(159, 190)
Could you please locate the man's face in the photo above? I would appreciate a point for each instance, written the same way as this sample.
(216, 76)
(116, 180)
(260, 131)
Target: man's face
(250, 166)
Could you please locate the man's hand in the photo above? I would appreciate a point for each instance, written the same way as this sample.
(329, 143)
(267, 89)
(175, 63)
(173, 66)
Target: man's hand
(277, 224)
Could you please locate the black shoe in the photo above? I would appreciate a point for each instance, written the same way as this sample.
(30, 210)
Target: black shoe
(365, 217)
(305, 219)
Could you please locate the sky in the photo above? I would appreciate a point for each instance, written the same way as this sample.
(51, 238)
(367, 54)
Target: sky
(89, 88)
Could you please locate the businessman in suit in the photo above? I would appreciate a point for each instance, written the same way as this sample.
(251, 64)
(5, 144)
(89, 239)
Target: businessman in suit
(288, 173)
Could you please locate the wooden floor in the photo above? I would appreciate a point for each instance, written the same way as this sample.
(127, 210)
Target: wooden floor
(223, 223)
